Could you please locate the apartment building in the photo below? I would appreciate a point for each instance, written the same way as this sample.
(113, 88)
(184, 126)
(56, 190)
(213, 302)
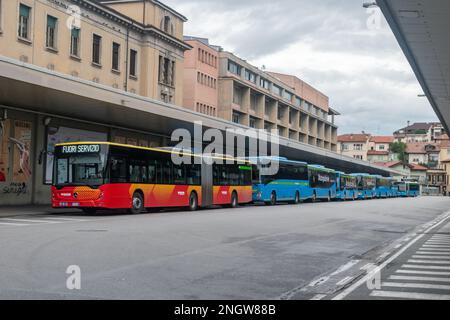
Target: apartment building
(354, 145)
(379, 148)
(131, 45)
(271, 101)
(420, 132)
(201, 74)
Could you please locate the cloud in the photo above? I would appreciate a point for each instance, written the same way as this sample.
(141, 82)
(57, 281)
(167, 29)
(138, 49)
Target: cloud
(326, 43)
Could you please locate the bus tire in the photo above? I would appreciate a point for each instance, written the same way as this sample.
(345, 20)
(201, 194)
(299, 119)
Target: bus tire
(297, 197)
(193, 202)
(89, 210)
(137, 203)
(273, 198)
(234, 200)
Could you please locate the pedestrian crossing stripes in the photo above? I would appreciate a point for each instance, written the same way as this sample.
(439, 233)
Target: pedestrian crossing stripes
(409, 295)
(32, 221)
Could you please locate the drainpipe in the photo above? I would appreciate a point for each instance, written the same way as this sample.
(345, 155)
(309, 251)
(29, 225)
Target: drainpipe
(126, 58)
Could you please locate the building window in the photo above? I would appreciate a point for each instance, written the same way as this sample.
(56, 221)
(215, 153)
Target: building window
(359, 157)
(234, 68)
(166, 71)
(250, 76)
(263, 83)
(237, 96)
(24, 22)
(51, 32)
(236, 117)
(133, 63)
(167, 25)
(287, 95)
(276, 90)
(252, 123)
(75, 42)
(358, 146)
(96, 49)
(115, 56)
(381, 147)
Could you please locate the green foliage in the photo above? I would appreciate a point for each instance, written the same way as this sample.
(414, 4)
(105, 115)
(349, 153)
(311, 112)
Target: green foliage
(399, 148)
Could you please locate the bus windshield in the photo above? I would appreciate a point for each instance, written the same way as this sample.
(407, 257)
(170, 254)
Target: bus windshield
(80, 169)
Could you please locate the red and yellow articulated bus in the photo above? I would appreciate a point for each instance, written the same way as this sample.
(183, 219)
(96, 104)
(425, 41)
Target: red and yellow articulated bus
(104, 175)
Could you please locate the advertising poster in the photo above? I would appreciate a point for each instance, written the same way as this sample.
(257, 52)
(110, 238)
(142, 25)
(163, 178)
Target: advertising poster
(21, 146)
(65, 134)
(4, 150)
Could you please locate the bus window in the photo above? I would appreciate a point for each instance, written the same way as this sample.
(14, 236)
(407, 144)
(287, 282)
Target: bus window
(153, 171)
(193, 174)
(118, 170)
(138, 171)
(256, 175)
(178, 175)
(233, 175)
(167, 172)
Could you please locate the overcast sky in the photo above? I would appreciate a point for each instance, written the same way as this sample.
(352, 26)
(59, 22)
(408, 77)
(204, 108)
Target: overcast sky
(326, 43)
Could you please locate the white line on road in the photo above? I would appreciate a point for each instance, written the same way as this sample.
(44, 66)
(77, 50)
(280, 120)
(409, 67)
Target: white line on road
(364, 279)
(29, 220)
(416, 285)
(434, 249)
(413, 278)
(415, 266)
(436, 246)
(13, 224)
(410, 295)
(430, 257)
(64, 219)
(318, 297)
(435, 273)
(437, 242)
(435, 253)
(429, 261)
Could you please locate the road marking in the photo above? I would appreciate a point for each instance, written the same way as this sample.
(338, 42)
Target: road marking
(416, 285)
(345, 267)
(437, 242)
(436, 253)
(13, 224)
(29, 220)
(409, 295)
(415, 266)
(318, 297)
(429, 261)
(437, 245)
(344, 281)
(413, 278)
(424, 272)
(435, 249)
(364, 279)
(430, 257)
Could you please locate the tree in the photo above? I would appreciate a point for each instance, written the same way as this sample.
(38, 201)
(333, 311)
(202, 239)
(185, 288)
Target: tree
(400, 149)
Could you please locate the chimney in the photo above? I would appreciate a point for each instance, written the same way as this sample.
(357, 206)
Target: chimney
(409, 123)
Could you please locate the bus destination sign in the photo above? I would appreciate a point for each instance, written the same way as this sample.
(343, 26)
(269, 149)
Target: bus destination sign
(81, 148)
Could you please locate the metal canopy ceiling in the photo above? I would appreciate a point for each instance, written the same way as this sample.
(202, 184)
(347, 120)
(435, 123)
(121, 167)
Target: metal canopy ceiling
(422, 28)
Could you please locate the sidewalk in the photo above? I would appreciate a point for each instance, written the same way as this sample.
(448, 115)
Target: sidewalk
(10, 211)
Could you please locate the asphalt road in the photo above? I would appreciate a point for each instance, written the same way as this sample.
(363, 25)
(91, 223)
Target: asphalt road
(309, 251)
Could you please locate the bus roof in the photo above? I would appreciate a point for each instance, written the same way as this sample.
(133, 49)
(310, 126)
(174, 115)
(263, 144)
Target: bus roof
(320, 167)
(162, 150)
(276, 159)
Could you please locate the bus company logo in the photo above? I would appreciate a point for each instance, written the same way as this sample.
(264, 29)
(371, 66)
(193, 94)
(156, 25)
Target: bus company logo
(233, 144)
(323, 178)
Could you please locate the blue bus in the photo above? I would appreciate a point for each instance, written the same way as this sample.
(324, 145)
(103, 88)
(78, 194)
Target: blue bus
(289, 184)
(322, 182)
(346, 186)
(383, 187)
(407, 189)
(366, 185)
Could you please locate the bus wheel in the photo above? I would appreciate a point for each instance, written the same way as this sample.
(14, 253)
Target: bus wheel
(234, 200)
(297, 198)
(137, 203)
(193, 202)
(89, 210)
(273, 198)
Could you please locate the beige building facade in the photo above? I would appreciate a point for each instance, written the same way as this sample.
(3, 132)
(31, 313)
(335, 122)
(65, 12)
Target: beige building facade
(271, 101)
(135, 46)
(354, 145)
